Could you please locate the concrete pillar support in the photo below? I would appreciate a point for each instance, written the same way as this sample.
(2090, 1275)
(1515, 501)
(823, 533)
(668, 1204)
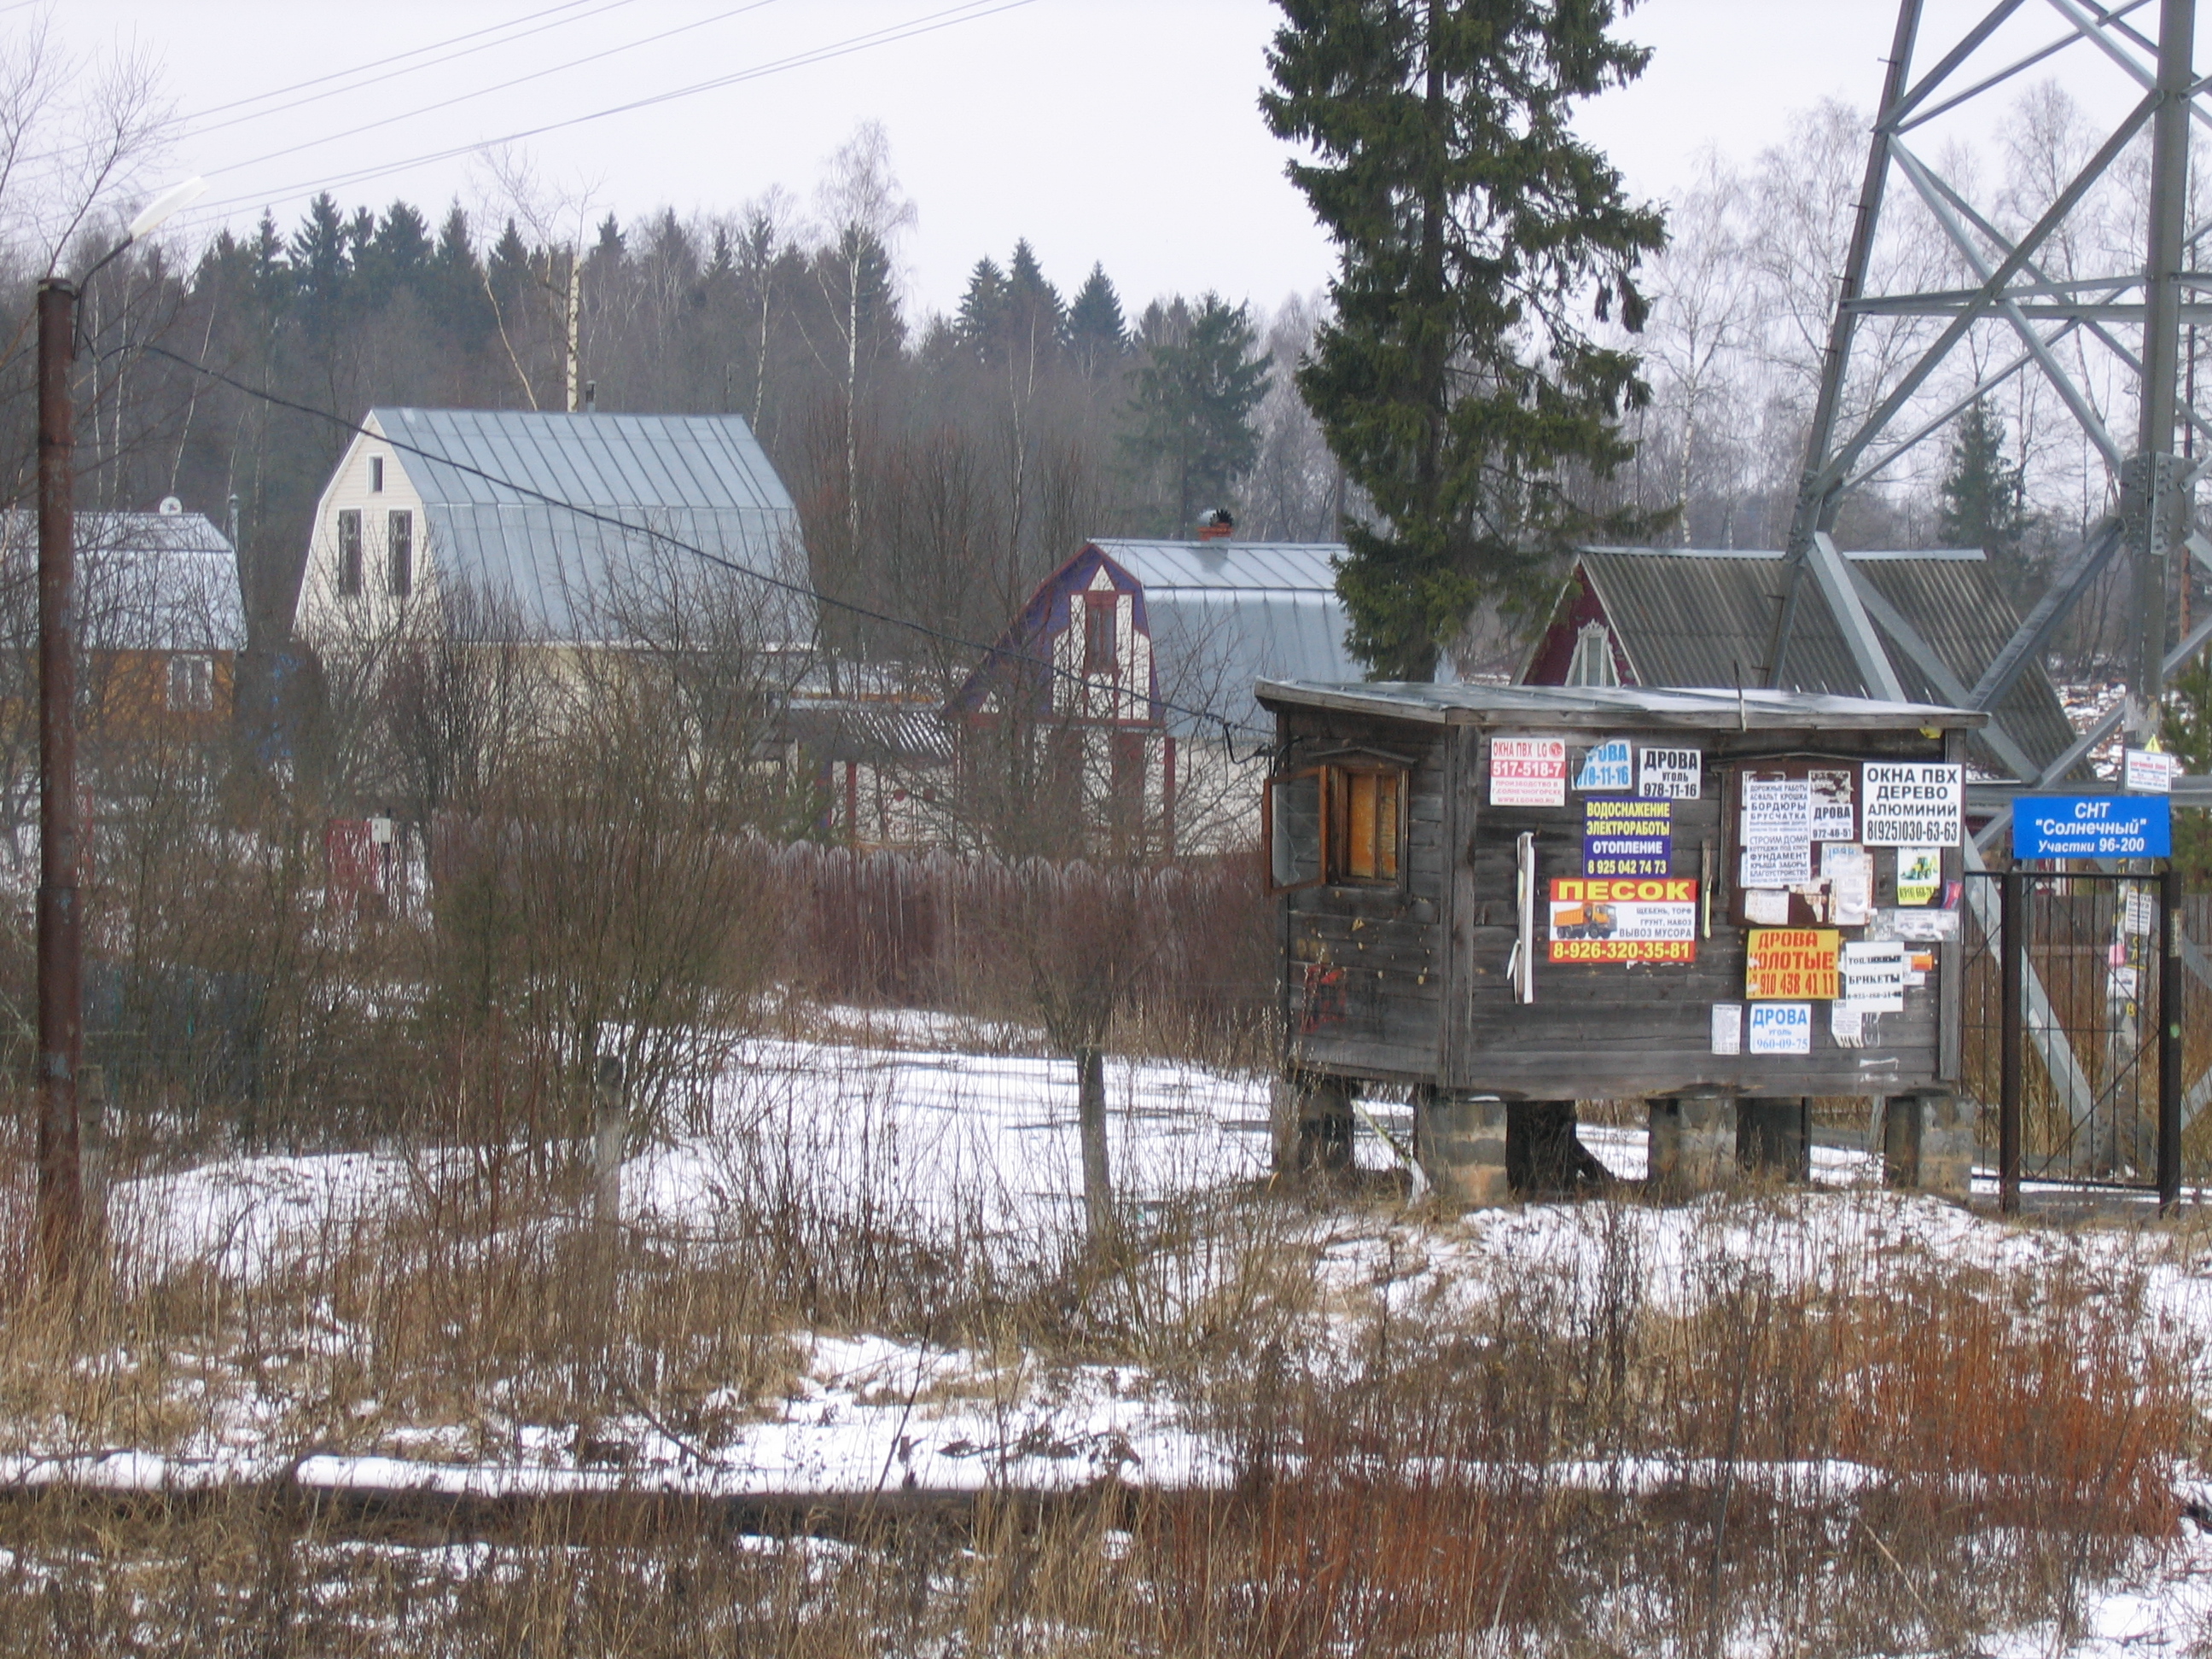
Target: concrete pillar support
(1692, 1143)
(1774, 1138)
(1928, 1143)
(1311, 1120)
(1460, 1140)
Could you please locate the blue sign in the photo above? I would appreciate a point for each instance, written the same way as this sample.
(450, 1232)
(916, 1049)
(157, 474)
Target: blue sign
(2092, 827)
(1604, 769)
(1628, 837)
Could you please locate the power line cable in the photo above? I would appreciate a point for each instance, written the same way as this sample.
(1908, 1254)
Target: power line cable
(515, 23)
(485, 92)
(890, 34)
(943, 636)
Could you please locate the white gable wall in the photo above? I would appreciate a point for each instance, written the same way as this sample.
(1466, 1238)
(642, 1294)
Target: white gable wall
(326, 615)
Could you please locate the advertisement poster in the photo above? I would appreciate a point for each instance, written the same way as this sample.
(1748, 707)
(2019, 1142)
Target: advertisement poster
(1874, 976)
(1834, 816)
(1919, 875)
(1624, 920)
(1782, 1028)
(2148, 772)
(1670, 773)
(1788, 964)
(1606, 768)
(1848, 871)
(1913, 803)
(1627, 837)
(1777, 832)
(1528, 771)
(1727, 1028)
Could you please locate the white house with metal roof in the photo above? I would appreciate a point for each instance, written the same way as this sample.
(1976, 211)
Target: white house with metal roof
(554, 519)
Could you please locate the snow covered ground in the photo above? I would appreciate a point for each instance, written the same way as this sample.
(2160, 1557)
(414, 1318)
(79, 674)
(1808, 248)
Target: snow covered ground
(934, 1126)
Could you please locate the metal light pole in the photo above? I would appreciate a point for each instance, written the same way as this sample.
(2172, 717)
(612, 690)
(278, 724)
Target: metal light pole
(61, 921)
(61, 812)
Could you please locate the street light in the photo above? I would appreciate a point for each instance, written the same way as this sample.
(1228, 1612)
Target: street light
(61, 828)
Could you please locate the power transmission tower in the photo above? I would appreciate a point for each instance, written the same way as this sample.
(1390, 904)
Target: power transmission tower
(2019, 311)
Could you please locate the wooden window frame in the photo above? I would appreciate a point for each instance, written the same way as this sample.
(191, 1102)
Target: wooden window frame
(1267, 828)
(349, 553)
(1336, 794)
(399, 553)
(1338, 814)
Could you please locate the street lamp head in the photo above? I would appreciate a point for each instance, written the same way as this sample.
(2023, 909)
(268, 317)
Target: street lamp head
(156, 212)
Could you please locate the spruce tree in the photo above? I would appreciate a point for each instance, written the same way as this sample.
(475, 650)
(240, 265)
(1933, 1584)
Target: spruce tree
(1034, 318)
(1982, 500)
(321, 261)
(1097, 335)
(1190, 422)
(1456, 380)
(981, 323)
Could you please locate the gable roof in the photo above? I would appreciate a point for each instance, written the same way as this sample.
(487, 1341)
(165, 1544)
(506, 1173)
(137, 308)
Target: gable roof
(146, 582)
(1703, 617)
(495, 484)
(1225, 614)
(1222, 615)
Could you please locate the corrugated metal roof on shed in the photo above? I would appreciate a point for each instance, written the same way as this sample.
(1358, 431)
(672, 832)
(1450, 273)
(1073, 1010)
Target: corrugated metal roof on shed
(1602, 707)
(1699, 616)
(701, 480)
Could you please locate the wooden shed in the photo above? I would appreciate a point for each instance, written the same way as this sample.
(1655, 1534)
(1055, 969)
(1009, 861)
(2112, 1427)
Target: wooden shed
(1510, 898)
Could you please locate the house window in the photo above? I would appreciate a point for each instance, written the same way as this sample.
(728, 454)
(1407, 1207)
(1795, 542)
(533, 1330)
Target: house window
(192, 682)
(1342, 824)
(376, 474)
(349, 552)
(1099, 657)
(1593, 663)
(400, 544)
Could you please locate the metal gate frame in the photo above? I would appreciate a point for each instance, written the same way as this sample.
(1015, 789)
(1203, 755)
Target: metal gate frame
(2140, 1028)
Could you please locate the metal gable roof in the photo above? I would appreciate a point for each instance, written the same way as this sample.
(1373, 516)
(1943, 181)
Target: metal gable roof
(484, 477)
(1697, 617)
(1227, 563)
(150, 581)
(1604, 707)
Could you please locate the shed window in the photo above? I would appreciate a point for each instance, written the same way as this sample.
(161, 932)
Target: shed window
(401, 545)
(349, 552)
(1343, 824)
(1367, 814)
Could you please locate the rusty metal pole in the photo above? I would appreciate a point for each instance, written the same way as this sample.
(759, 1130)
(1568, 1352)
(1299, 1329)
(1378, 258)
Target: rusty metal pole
(2011, 1036)
(61, 923)
(2171, 992)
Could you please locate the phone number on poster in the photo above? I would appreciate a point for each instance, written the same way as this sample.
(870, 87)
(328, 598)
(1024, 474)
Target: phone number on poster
(1624, 949)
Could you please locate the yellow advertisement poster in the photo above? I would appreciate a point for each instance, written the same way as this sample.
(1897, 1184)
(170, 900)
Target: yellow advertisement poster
(1792, 964)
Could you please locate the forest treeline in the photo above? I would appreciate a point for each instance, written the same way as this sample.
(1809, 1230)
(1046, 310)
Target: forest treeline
(944, 461)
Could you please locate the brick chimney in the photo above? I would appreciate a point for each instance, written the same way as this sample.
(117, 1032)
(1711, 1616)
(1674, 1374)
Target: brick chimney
(1217, 525)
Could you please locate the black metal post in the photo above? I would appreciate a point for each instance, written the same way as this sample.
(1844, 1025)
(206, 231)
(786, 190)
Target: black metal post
(2171, 992)
(61, 923)
(2012, 1036)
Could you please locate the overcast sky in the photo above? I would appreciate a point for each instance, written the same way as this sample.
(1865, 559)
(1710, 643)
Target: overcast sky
(1119, 131)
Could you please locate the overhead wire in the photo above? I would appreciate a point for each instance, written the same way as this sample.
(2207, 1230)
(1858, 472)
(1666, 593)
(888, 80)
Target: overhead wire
(943, 636)
(928, 23)
(171, 127)
(497, 86)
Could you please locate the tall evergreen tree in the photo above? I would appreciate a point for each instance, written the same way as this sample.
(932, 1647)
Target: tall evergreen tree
(1034, 320)
(453, 280)
(980, 322)
(322, 262)
(1097, 334)
(1455, 381)
(1190, 421)
(397, 255)
(1982, 500)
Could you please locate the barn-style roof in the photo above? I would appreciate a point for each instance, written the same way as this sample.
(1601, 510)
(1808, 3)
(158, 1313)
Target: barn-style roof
(495, 486)
(1220, 614)
(146, 582)
(1697, 616)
